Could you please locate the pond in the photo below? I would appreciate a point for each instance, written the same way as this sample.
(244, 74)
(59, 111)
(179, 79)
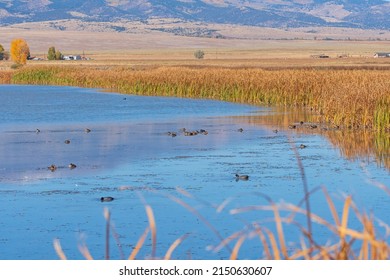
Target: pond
(123, 147)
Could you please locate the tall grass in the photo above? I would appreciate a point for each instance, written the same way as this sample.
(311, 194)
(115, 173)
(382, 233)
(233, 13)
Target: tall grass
(5, 77)
(350, 98)
(364, 241)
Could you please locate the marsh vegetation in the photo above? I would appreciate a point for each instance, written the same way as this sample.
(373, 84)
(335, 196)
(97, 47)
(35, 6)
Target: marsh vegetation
(348, 98)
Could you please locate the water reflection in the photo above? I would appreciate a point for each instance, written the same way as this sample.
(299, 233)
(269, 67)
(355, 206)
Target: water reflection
(354, 144)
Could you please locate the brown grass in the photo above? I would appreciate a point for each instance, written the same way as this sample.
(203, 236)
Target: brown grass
(5, 76)
(350, 98)
(363, 242)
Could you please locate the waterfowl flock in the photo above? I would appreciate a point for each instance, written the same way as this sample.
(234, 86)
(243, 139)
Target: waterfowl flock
(302, 124)
(188, 133)
(185, 132)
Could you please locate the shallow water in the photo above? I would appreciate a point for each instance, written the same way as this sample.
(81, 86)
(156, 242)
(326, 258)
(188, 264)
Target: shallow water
(129, 155)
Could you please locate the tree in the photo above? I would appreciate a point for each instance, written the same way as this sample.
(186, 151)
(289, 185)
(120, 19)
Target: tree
(19, 51)
(199, 54)
(59, 55)
(1, 52)
(51, 53)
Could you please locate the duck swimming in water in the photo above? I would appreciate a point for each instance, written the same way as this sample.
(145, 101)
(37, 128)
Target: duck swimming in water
(242, 177)
(106, 199)
(52, 168)
(72, 166)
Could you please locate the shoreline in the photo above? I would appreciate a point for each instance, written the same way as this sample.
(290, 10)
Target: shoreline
(324, 91)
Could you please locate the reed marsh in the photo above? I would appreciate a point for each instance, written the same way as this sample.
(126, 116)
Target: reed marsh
(352, 98)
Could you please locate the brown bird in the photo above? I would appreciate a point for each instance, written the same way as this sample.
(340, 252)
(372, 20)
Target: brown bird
(52, 168)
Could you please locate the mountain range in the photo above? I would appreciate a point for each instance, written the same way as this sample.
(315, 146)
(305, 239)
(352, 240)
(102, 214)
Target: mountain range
(373, 14)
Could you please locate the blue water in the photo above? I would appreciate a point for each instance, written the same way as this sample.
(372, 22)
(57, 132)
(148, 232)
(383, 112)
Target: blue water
(185, 179)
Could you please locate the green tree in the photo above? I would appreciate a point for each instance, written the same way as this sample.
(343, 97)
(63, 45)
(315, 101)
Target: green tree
(51, 53)
(1, 52)
(199, 54)
(58, 55)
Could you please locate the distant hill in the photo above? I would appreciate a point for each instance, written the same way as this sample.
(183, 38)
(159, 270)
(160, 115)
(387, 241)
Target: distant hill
(373, 14)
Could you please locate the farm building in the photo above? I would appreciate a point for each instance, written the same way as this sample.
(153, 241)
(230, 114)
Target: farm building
(382, 54)
(72, 57)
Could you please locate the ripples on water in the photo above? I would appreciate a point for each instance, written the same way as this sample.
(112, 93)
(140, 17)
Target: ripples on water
(129, 155)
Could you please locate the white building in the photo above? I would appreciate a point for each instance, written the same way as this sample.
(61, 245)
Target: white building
(72, 57)
(382, 54)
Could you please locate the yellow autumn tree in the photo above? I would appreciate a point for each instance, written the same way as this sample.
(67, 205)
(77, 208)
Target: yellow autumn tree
(19, 51)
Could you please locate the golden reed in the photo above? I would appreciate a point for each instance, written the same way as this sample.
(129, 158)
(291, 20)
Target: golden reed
(344, 97)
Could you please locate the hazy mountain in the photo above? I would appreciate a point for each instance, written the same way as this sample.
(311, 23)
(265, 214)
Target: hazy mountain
(278, 13)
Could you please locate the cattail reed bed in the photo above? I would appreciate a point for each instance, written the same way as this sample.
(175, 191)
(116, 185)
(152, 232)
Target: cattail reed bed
(349, 98)
(5, 77)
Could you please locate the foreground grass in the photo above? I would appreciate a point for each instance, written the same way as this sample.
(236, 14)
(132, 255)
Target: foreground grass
(364, 241)
(350, 98)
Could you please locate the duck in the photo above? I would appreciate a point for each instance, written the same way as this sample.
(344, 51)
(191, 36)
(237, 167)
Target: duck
(240, 130)
(302, 146)
(72, 166)
(275, 131)
(106, 198)
(203, 131)
(242, 177)
(37, 130)
(52, 168)
(292, 126)
(190, 133)
(87, 130)
(173, 134)
(67, 141)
